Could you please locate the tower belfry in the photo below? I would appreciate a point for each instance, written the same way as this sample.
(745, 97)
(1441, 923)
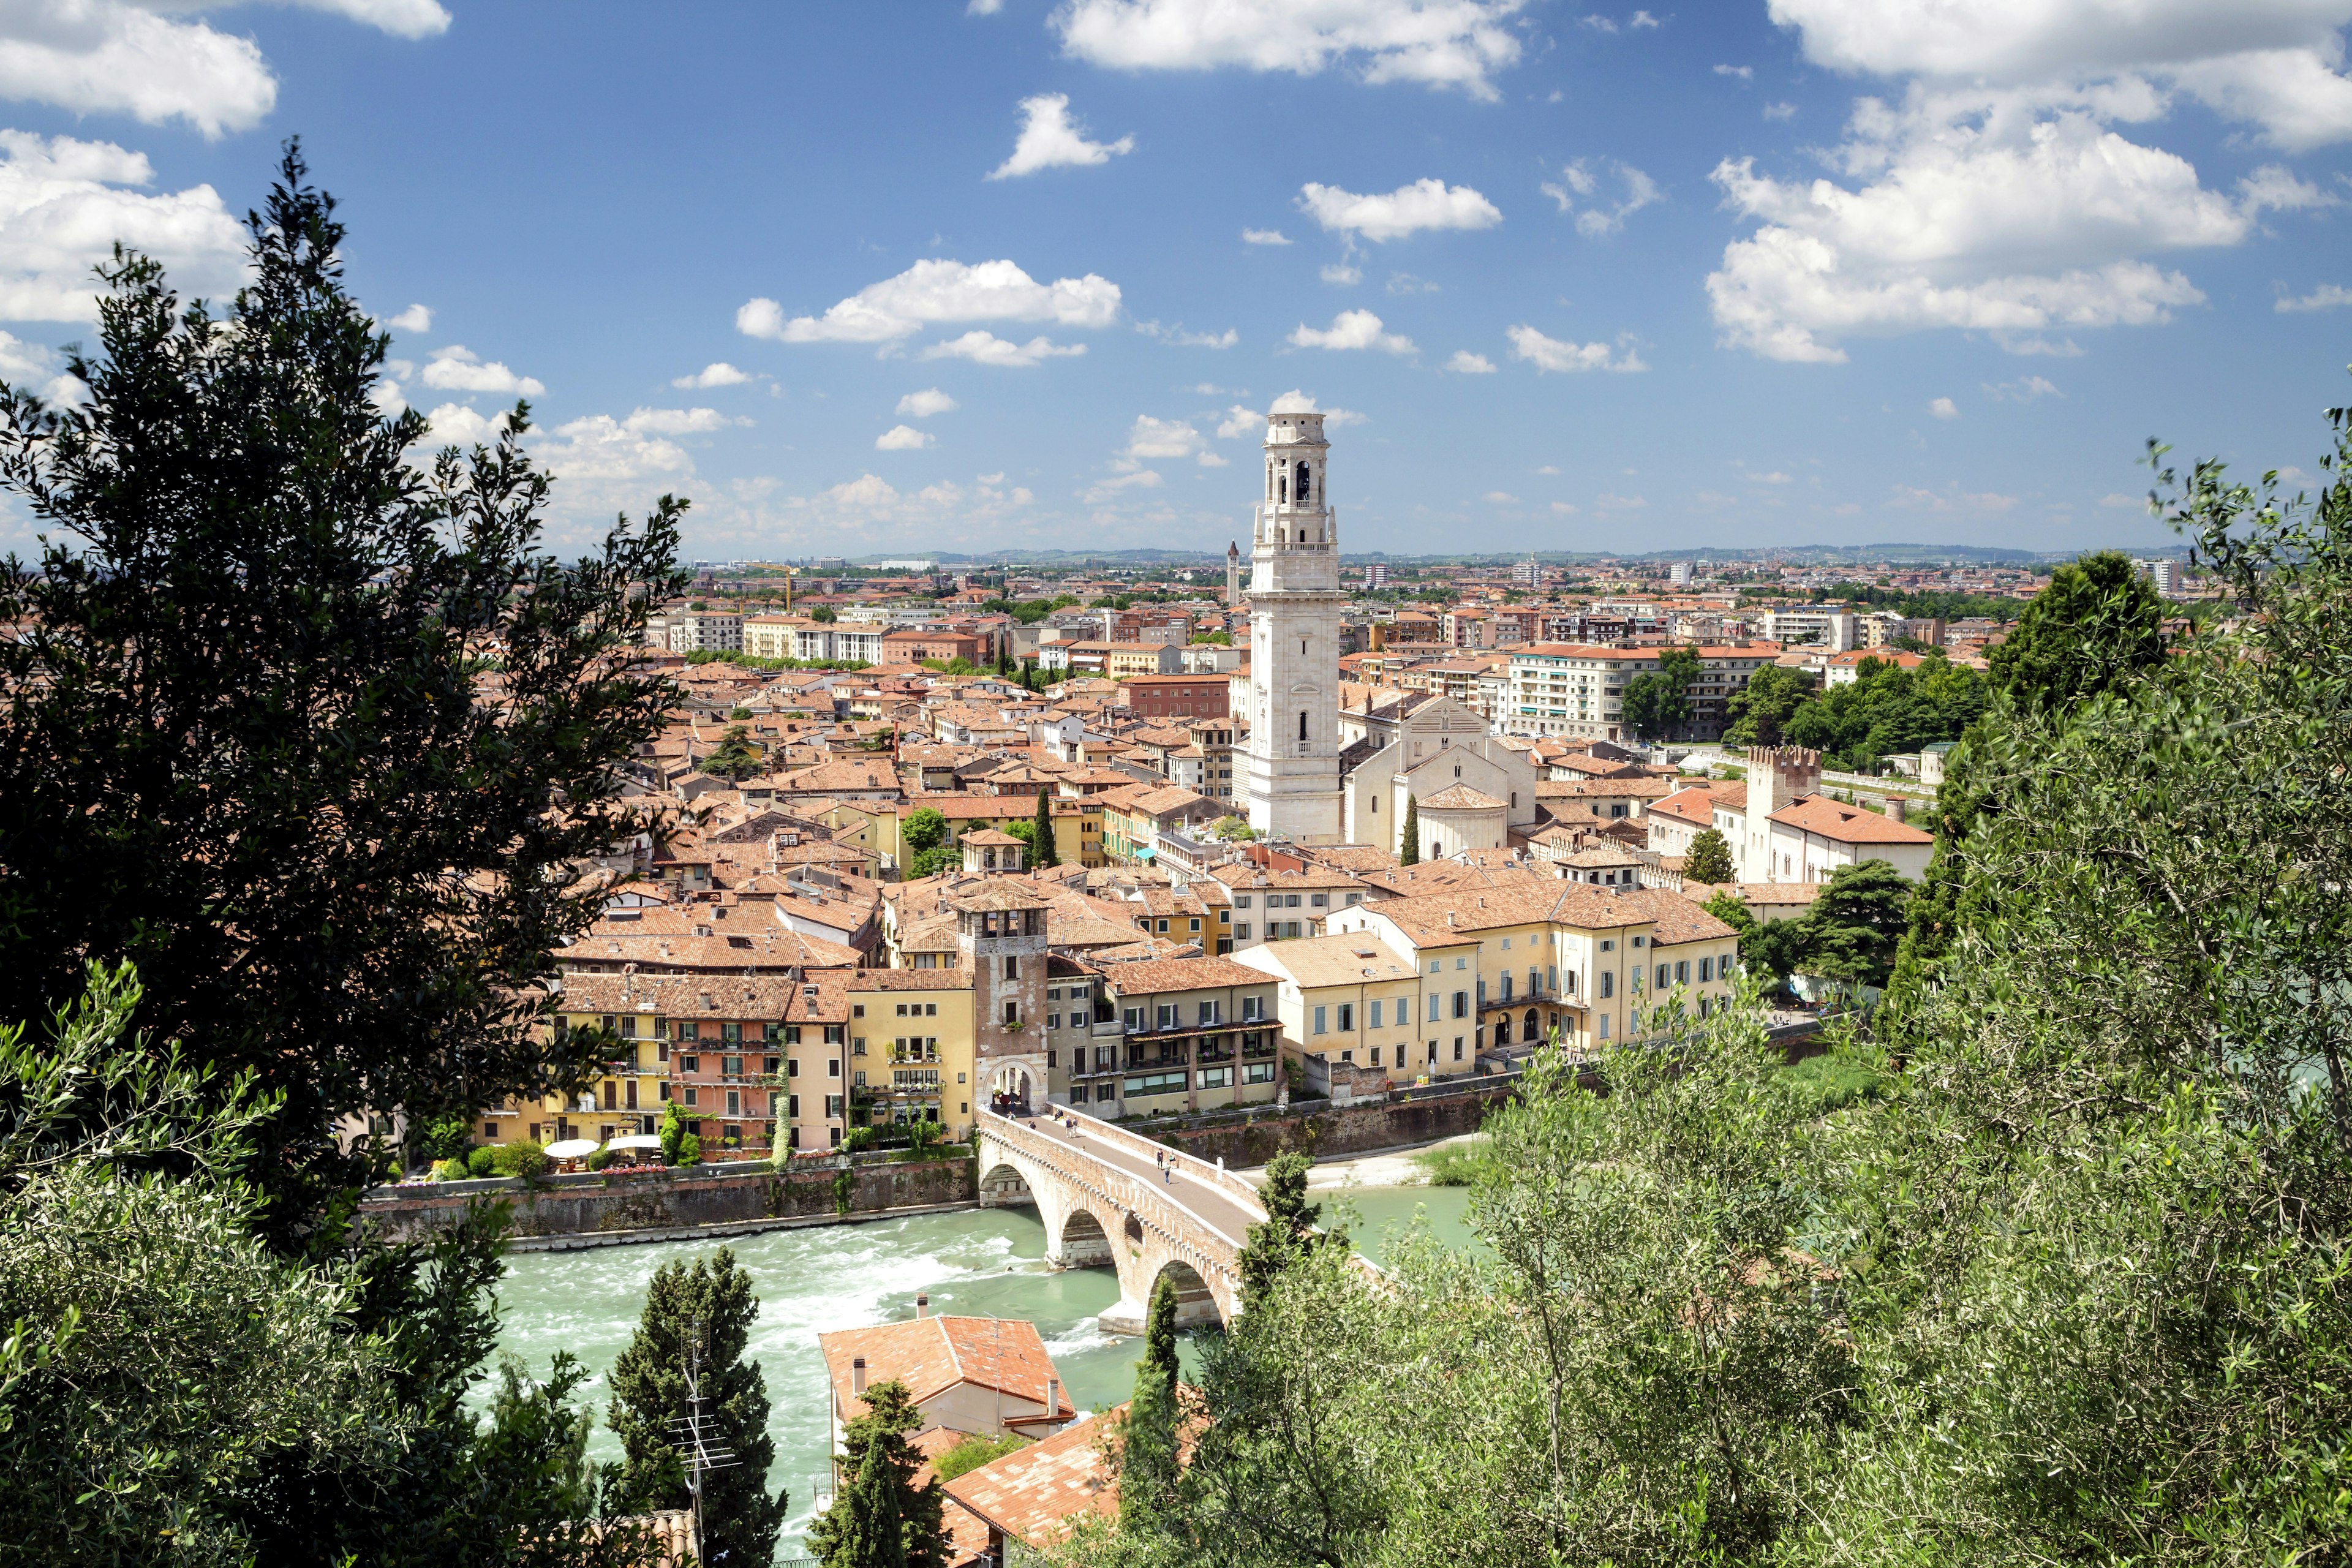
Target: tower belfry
(1292, 778)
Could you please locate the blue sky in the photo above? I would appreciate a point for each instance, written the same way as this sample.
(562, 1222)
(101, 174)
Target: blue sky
(1014, 275)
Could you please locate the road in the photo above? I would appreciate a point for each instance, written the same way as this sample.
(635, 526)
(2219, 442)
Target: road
(1211, 1203)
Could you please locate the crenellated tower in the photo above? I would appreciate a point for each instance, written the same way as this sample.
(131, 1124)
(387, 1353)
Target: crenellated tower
(1292, 781)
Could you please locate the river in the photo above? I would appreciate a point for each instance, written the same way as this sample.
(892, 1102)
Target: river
(980, 1263)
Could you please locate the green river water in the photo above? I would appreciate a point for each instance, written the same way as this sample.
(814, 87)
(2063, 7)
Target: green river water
(980, 1263)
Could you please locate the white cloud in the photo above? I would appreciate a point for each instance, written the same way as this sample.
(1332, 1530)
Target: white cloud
(108, 57)
(1406, 283)
(1049, 141)
(1563, 507)
(458, 369)
(1442, 43)
(415, 319)
(2116, 498)
(937, 291)
(1464, 363)
(1578, 180)
(1409, 210)
(1552, 468)
(1944, 408)
(61, 208)
(1156, 439)
(924, 403)
(2326, 297)
(1182, 339)
(1297, 402)
(1599, 23)
(456, 425)
(2025, 389)
(1501, 498)
(987, 348)
(902, 438)
(1780, 112)
(1263, 236)
(1135, 479)
(1641, 19)
(2272, 63)
(1981, 211)
(1240, 420)
(984, 7)
(33, 367)
(678, 421)
(1949, 500)
(1745, 73)
(1605, 502)
(1339, 275)
(1551, 353)
(2271, 188)
(1352, 329)
(718, 373)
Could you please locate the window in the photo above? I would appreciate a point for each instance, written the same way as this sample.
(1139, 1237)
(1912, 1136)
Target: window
(1012, 1014)
(1320, 900)
(1166, 1016)
(731, 1033)
(1457, 1048)
(1011, 967)
(1319, 1021)
(1241, 932)
(1240, 900)
(1462, 963)
(1347, 1017)
(1435, 965)
(1462, 1004)
(1252, 1009)
(629, 1029)
(732, 1067)
(1132, 1019)
(1604, 1017)
(690, 1094)
(1608, 984)
(1216, 1077)
(689, 1064)
(734, 1102)
(1258, 1072)
(1681, 970)
(1435, 1003)
(1705, 970)
(1641, 942)
(1156, 1083)
(1208, 1012)
(1376, 1057)
(1374, 1021)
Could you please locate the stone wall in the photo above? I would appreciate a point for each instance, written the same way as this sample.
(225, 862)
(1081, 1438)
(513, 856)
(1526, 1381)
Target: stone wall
(1330, 1133)
(680, 1200)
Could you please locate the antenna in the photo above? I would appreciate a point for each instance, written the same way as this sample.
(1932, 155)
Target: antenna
(696, 1445)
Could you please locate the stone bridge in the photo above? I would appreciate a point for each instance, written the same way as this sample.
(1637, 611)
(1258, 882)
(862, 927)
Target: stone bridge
(1107, 1200)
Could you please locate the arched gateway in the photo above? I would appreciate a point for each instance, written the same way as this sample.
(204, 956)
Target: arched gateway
(1107, 1200)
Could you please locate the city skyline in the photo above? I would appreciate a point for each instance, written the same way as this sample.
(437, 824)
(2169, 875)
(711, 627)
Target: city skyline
(1012, 276)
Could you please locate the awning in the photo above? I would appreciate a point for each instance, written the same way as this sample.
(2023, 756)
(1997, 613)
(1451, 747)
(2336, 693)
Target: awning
(572, 1149)
(634, 1141)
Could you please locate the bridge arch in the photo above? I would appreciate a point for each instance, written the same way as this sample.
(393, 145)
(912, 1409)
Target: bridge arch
(1195, 1302)
(1083, 1244)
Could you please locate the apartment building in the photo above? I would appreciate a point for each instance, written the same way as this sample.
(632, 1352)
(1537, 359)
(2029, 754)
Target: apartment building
(911, 1047)
(1826, 626)
(1195, 1034)
(1569, 689)
(1352, 1009)
(695, 631)
(1180, 697)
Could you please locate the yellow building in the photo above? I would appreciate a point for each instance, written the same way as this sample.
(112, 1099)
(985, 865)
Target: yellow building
(1348, 999)
(911, 1047)
(1511, 964)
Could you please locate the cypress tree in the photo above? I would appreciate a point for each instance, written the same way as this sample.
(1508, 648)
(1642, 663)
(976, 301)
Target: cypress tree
(1289, 1222)
(882, 1520)
(1709, 859)
(1147, 1448)
(740, 1519)
(1042, 852)
(1409, 851)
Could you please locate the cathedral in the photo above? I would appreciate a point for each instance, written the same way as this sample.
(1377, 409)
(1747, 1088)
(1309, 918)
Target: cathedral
(1313, 774)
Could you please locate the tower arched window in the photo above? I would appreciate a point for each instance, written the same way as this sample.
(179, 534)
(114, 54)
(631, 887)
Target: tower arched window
(1305, 484)
(1282, 489)
(1302, 723)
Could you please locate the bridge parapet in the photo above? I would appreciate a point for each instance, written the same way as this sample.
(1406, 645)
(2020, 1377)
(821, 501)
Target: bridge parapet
(1191, 1166)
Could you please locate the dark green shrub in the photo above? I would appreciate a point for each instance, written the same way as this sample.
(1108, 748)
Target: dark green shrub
(449, 1170)
(524, 1160)
(483, 1161)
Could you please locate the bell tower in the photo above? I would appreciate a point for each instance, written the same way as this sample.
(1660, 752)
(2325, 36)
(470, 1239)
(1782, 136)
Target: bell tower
(1292, 771)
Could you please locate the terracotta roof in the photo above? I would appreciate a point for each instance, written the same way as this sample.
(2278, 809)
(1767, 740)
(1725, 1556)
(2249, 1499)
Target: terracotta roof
(1181, 974)
(1827, 818)
(1343, 958)
(989, 838)
(911, 980)
(1698, 802)
(1033, 1493)
(1454, 918)
(1461, 797)
(931, 1355)
(1605, 789)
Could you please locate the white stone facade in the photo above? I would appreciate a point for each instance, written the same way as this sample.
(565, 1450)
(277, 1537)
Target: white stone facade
(1292, 781)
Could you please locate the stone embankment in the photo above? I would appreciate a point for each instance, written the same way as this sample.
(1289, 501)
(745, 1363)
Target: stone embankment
(597, 1209)
(1327, 1132)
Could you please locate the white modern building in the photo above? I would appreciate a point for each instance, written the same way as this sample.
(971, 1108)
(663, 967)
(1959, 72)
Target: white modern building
(1292, 768)
(1832, 629)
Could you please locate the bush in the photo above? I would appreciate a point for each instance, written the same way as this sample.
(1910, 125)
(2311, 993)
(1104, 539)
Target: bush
(974, 1452)
(1833, 1081)
(519, 1159)
(483, 1161)
(859, 1140)
(447, 1137)
(689, 1150)
(449, 1170)
(1451, 1164)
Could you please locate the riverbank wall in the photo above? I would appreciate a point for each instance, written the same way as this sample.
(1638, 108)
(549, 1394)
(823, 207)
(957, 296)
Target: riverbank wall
(600, 1208)
(1328, 1132)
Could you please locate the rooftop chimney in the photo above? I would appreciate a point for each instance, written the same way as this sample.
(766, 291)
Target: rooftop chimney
(1053, 1397)
(922, 1306)
(1896, 805)
(858, 1376)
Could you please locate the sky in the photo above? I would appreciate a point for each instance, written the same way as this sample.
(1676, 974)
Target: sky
(900, 277)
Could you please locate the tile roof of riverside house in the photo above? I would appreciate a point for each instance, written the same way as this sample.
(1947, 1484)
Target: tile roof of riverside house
(1135, 978)
(833, 778)
(1343, 958)
(1754, 893)
(1841, 824)
(1461, 797)
(1033, 1493)
(931, 1355)
(764, 947)
(775, 997)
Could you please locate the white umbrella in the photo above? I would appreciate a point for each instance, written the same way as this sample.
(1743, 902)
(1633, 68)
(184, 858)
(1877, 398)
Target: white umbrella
(571, 1149)
(636, 1140)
